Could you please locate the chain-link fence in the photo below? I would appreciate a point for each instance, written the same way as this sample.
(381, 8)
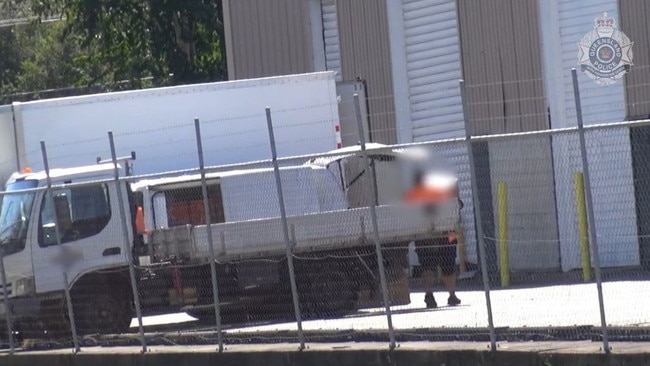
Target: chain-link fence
(484, 238)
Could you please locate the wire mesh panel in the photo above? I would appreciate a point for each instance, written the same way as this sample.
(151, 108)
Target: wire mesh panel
(294, 242)
(441, 271)
(537, 205)
(617, 165)
(37, 309)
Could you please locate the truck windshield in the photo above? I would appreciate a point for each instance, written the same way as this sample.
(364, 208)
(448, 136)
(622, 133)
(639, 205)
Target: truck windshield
(14, 216)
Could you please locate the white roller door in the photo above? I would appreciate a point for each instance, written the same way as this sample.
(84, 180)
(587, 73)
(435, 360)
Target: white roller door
(564, 23)
(331, 37)
(434, 68)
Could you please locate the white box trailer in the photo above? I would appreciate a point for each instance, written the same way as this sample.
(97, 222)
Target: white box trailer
(157, 124)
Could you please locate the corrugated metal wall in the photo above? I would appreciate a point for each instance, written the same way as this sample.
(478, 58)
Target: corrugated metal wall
(502, 65)
(365, 53)
(268, 38)
(502, 69)
(635, 17)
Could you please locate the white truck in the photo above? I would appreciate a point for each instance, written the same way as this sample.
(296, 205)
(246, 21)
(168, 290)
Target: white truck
(331, 230)
(157, 123)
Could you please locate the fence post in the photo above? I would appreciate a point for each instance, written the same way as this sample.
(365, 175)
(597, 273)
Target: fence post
(590, 209)
(127, 242)
(208, 222)
(285, 231)
(5, 300)
(479, 217)
(66, 282)
(375, 228)
(504, 255)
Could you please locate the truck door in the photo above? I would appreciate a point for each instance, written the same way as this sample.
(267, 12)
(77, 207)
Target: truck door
(90, 231)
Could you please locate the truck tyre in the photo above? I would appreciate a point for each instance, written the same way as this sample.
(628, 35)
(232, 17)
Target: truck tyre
(107, 312)
(331, 293)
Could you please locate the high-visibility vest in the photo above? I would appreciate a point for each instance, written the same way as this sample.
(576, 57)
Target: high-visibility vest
(424, 195)
(421, 194)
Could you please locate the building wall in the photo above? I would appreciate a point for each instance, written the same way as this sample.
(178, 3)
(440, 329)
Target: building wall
(516, 58)
(502, 66)
(634, 18)
(365, 53)
(564, 23)
(268, 38)
(502, 60)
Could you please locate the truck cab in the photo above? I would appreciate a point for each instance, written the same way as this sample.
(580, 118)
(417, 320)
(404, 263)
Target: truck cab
(90, 230)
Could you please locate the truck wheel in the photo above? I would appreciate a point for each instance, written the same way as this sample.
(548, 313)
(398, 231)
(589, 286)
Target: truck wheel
(331, 293)
(107, 313)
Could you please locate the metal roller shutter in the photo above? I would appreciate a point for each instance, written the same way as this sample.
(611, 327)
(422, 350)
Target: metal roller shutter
(434, 68)
(331, 38)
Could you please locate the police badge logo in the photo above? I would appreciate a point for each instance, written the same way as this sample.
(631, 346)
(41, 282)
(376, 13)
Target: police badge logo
(605, 53)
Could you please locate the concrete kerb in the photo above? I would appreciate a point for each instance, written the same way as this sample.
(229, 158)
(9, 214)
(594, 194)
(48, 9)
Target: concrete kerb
(348, 354)
(207, 337)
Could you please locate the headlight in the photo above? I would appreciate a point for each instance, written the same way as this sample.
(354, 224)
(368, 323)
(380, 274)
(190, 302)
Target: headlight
(24, 287)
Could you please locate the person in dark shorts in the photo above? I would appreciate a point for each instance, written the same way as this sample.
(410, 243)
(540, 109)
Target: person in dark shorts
(435, 252)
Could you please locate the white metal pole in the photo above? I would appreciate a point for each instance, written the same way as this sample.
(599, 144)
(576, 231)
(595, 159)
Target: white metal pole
(375, 228)
(479, 218)
(285, 231)
(127, 242)
(208, 222)
(591, 221)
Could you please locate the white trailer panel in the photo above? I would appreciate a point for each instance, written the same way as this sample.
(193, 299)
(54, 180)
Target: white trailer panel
(319, 231)
(7, 145)
(158, 123)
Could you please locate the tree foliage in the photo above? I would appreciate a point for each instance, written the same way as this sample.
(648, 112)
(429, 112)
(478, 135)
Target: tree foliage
(176, 40)
(115, 43)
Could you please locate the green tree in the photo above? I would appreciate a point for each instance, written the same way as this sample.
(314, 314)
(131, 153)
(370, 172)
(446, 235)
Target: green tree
(169, 41)
(39, 61)
(10, 60)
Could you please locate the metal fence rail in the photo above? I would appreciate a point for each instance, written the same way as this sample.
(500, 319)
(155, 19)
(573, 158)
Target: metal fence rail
(545, 243)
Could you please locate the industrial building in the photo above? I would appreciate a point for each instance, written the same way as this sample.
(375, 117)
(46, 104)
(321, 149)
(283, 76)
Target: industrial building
(516, 58)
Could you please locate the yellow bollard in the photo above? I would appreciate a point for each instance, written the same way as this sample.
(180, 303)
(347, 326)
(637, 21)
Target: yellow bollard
(581, 210)
(502, 195)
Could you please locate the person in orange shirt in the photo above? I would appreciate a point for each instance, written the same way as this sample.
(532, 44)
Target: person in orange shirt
(435, 252)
